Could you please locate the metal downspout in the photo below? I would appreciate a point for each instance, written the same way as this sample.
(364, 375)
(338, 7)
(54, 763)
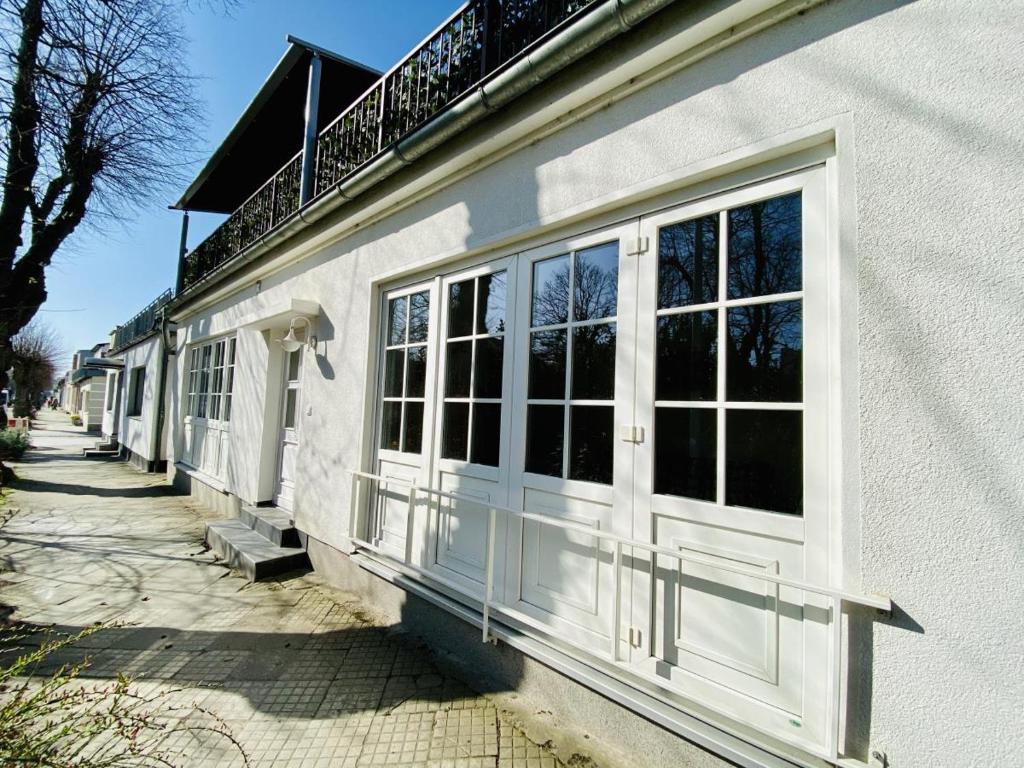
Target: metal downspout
(161, 406)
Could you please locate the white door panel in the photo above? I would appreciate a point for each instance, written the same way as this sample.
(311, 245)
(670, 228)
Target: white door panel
(732, 383)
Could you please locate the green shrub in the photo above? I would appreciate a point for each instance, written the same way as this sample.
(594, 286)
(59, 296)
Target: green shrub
(76, 420)
(13, 444)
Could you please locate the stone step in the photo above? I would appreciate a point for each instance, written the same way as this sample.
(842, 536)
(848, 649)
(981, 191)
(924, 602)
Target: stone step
(241, 547)
(100, 453)
(273, 524)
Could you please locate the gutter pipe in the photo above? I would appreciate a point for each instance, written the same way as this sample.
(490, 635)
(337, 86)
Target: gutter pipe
(161, 409)
(604, 23)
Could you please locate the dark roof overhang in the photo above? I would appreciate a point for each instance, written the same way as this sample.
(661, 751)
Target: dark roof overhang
(270, 131)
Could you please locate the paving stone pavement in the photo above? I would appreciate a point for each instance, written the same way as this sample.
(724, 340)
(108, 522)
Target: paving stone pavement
(300, 672)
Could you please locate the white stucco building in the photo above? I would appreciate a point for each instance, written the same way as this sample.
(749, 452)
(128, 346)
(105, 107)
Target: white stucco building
(136, 414)
(677, 354)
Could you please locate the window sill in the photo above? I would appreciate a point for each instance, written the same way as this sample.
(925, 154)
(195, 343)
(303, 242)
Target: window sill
(202, 477)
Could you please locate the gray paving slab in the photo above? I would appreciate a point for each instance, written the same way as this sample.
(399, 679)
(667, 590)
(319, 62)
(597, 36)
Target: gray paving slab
(296, 669)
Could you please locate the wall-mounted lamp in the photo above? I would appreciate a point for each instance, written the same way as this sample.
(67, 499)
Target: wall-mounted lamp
(291, 343)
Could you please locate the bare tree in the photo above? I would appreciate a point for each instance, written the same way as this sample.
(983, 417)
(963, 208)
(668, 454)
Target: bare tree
(98, 105)
(36, 352)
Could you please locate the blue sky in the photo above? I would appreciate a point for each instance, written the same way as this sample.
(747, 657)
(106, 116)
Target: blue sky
(102, 278)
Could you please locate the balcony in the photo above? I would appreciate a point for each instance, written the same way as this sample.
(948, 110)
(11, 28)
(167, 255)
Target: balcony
(143, 324)
(478, 40)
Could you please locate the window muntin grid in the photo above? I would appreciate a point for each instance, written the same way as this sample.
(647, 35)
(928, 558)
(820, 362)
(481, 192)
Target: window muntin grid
(474, 368)
(211, 380)
(404, 380)
(728, 427)
(571, 374)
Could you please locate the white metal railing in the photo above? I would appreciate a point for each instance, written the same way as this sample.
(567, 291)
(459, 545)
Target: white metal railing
(836, 596)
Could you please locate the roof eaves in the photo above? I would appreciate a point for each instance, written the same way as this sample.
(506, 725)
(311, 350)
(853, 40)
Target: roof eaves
(296, 49)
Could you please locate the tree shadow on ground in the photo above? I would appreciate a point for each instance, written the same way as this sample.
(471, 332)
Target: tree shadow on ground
(76, 489)
(319, 674)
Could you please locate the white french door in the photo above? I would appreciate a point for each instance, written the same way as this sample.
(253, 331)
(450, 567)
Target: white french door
(405, 413)
(573, 389)
(732, 384)
(208, 406)
(473, 394)
(288, 448)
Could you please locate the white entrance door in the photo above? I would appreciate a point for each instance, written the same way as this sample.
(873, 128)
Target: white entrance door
(289, 447)
(574, 387)
(732, 383)
(474, 389)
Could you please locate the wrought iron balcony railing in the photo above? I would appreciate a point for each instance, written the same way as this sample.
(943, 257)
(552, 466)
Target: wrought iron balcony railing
(142, 324)
(478, 39)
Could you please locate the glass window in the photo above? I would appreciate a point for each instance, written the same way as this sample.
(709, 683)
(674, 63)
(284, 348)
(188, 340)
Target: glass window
(211, 379)
(404, 376)
(758, 323)
(474, 369)
(571, 377)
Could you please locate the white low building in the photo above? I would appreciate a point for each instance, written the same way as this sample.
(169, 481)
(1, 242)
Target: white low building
(137, 413)
(670, 344)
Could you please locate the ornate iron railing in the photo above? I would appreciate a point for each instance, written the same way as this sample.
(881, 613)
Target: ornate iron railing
(142, 324)
(268, 206)
(478, 39)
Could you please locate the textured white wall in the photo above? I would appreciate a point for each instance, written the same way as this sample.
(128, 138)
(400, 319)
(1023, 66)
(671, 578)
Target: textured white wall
(933, 173)
(92, 403)
(137, 431)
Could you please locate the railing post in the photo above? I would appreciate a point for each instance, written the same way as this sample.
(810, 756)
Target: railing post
(409, 517)
(489, 586)
(617, 598)
(491, 25)
(381, 112)
(182, 252)
(309, 142)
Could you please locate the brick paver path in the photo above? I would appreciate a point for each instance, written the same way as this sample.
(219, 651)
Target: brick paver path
(300, 673)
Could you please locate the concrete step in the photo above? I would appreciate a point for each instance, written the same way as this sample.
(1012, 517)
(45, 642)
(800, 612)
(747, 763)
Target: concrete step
(100, 453)
(241, 547)
(273, 524)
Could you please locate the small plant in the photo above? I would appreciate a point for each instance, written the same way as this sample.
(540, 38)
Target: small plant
(76, 420)
(53, 720)
(13, 444)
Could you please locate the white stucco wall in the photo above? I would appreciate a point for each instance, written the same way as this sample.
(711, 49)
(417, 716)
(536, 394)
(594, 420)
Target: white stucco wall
(136, 432)
(929, 101)
(91, 406)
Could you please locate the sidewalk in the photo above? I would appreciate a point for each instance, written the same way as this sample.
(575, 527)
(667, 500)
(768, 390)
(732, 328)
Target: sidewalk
(301, 674)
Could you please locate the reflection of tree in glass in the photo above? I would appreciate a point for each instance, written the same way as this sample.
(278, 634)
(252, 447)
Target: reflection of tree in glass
(764, 351)
(687, 356)
(765, 247)
(593, 362)
(547, 365)
(688, 262)
(597, 282)
(551, 291)
(491, 303)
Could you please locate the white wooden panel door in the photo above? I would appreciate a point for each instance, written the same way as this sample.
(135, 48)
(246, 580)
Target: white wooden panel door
(732, 385)
(404, 416)
(574, 390)
(288, 450)
(474, 388)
